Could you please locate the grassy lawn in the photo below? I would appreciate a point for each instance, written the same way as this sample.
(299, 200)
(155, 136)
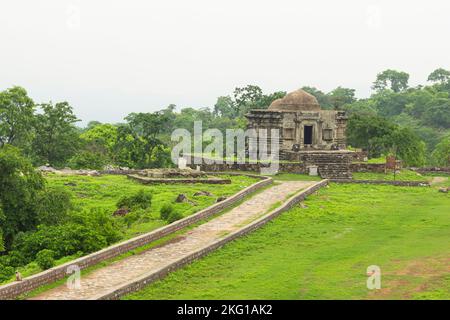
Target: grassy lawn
(402, 176)
(323, 251)
(105, 191)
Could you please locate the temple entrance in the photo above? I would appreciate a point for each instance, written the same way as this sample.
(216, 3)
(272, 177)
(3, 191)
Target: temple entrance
(307, 134)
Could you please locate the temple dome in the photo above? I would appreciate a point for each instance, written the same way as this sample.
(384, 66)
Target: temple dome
(299, 100)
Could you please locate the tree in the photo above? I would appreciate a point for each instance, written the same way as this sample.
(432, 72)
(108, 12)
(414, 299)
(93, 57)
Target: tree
(441, 154)
(370, 132)
(439, 76)
(341, 96)
(391, 79)
(56, 135)
(20, 185)
(16, 117)
(98, 144)
(224, 107)
(322, 98)
(247, 98)
(408, 146)
(139, 138)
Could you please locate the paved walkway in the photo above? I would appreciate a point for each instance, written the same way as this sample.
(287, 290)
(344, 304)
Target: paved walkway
(105, 279)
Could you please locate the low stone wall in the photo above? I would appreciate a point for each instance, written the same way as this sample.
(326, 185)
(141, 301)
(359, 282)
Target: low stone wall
(435, 170)
(368, 167)
(155, 275)
(390, 182)
(145, 180)
(14, 289)
(360, 156)
(252, 167)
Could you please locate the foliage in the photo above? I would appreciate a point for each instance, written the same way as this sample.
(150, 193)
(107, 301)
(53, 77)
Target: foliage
(441, 155)
(391, 79)
(88, 160)
(53, 206)
(6, 272)
(87, 231)
(20, 185)
(140, 200)
(45, 259)
(174, 216)
(166, 210)
(439, 75)
(340, 97)
(56, 136)
(99, 140)
(16, 117)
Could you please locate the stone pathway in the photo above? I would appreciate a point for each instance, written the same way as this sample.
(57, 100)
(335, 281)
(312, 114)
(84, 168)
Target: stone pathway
(105, 279)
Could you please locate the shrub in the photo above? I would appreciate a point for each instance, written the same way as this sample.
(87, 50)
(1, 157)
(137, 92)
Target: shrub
(165, 211)
(45, 259)
(6, 272)
(88, 160)
(87, 231)
(141, 199)
(132, 217)
(53, 206)
(174, 216)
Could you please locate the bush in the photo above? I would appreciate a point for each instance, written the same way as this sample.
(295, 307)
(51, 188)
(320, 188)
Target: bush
(88, 160)
(141, 200)
(132, 217)
(174, 216)
(165, 211)
(88, 231)
(45, 259)
(53, 206)
(6, 272)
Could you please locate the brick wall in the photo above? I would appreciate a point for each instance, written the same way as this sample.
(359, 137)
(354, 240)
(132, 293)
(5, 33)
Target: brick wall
(155, 275)
(14, 289)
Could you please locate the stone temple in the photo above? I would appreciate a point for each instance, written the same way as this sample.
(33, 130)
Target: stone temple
(307, 133)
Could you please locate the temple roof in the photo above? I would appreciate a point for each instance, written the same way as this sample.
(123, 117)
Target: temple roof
(298, 100)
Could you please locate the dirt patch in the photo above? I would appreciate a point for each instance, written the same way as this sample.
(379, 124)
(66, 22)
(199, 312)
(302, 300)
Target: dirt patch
(416, 276)
(437, 180)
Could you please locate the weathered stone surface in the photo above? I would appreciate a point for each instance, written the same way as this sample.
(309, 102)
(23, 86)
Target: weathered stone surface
(121, 212)
(181, 198)
(220, 199)
(203, 193)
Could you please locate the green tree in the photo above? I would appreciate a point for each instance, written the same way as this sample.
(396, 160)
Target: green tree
(45, 259)
(439, 76)
(341, 96)
(20, 185)
(441, 154)
(322, 98)
(370, 132)
(139, 138)
(391, 79)
(56, 135)
(16, 117)
(408, 146)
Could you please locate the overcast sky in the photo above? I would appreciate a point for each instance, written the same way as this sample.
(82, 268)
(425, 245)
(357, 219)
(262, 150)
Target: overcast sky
(109, 58)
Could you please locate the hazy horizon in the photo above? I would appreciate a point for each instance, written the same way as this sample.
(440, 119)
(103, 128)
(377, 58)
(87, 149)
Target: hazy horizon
(110, 58)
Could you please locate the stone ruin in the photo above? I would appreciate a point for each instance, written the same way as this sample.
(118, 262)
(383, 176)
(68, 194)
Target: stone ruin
(307, 133)
(171, 173)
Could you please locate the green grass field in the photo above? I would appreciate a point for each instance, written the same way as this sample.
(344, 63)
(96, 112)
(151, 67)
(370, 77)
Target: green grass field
(105, 191)
(403, 175)
(323, 251)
